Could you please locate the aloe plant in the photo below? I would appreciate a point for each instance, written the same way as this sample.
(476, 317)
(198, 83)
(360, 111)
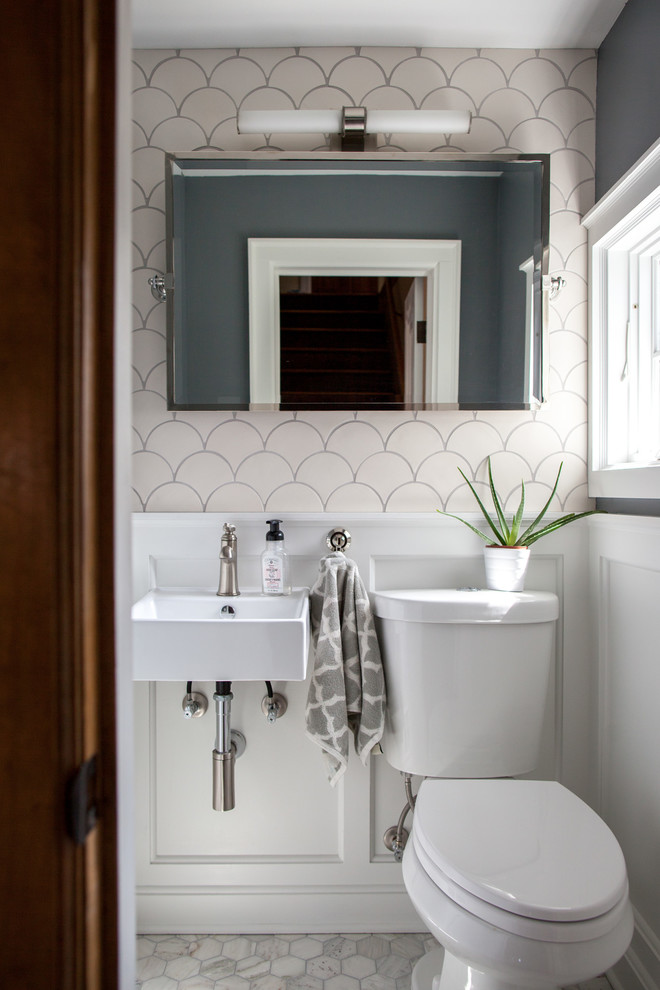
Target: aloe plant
(510, 535)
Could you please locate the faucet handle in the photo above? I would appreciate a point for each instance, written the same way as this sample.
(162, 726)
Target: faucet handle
(228, 541)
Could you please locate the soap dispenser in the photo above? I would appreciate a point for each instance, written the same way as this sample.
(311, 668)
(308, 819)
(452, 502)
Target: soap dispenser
(275, 578)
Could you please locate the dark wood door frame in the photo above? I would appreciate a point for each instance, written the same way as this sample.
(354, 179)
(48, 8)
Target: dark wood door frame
(59, 898)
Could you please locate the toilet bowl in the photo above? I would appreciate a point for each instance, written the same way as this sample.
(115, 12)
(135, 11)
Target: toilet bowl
(521, 883)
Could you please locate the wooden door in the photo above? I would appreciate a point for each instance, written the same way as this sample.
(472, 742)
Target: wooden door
(58, 897)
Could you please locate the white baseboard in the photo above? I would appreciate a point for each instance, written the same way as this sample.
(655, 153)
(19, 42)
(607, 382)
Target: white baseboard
(273, 913)
(640, 967)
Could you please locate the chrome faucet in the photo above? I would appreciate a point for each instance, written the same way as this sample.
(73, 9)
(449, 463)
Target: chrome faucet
(228, 559)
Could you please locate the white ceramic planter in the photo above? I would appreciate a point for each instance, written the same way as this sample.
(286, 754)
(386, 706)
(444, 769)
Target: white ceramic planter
(506, 567)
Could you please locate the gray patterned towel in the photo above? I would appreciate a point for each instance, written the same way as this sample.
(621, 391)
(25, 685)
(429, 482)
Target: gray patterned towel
(347, 691)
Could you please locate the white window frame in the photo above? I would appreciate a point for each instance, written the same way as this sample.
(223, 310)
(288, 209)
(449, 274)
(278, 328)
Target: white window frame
(624, 375)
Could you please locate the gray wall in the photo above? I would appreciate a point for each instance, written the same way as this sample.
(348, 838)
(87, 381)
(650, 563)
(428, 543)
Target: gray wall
(628, 103)
(627, 124)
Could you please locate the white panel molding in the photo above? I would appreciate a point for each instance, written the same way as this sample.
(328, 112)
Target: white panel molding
(243, 859)
(279, 890)
(602, 599)
(275, 913)
(197, 786)
(555, 710)
(347, 879)
(633, 543)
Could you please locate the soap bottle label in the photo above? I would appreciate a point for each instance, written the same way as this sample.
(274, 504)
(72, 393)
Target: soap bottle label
(272, 575)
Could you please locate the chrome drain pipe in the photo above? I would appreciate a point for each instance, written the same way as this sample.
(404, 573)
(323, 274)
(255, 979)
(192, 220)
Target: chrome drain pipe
(229, 745)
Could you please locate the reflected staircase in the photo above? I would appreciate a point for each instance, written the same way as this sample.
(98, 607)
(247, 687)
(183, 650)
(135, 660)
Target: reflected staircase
(335, 351)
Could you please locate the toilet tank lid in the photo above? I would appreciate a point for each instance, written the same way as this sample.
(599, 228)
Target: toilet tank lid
(465, 605)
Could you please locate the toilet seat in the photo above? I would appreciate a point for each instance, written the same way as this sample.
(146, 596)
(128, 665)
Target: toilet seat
(528, 856)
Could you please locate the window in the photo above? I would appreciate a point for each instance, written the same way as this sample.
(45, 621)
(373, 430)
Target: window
(624, 400)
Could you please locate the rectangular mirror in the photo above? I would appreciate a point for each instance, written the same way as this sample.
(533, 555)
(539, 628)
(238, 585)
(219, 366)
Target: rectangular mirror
(335, 281)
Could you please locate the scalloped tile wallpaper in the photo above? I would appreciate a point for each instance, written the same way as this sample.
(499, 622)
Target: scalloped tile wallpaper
(527, 101)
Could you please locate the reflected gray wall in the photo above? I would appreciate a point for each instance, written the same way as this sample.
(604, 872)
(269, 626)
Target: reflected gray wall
(519, 198)
(214, 216)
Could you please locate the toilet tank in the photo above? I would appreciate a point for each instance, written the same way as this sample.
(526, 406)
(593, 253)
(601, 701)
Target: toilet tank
(467, 676)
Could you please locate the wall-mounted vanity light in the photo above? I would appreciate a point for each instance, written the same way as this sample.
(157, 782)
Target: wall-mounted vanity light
(354, 123)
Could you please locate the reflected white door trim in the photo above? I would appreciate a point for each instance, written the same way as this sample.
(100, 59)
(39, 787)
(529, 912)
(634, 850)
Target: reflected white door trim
(438, 261)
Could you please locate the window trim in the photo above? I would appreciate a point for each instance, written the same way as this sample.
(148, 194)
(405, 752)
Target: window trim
(629, 203)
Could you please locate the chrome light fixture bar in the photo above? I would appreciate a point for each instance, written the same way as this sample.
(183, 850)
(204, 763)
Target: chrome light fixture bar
(350, 121)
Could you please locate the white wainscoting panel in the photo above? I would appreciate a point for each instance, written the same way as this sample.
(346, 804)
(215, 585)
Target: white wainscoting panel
(625, 566)
(296, 854)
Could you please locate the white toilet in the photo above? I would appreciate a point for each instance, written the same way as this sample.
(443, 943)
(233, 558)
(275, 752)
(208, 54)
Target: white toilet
(521, 883)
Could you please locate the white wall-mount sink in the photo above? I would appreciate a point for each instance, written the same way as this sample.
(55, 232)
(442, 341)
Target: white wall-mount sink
(183, 634)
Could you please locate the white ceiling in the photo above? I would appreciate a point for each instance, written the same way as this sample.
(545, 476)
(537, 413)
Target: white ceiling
(413, 23)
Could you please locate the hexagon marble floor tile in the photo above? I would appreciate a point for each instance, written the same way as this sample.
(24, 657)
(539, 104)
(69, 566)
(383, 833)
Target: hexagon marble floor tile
(285, 962)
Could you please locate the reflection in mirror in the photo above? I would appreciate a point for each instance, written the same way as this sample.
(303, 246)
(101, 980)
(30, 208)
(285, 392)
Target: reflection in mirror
(223, 338)
(437, 267)
(351, 340)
